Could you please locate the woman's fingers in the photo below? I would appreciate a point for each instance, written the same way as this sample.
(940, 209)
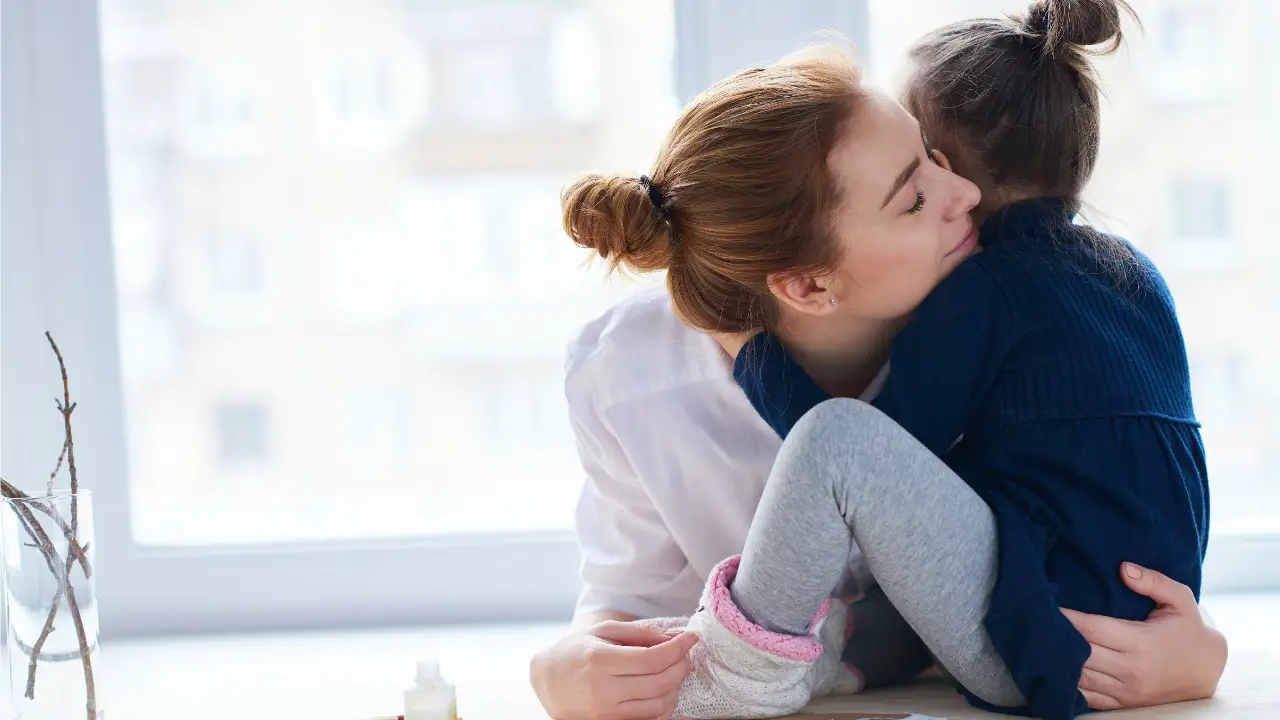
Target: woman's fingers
(1172, 656)
(652, 709)
(629, 634)
(648, 660)
(1099, 682)
(647, 687)
(1105, 631)
(1107, 662)
(1100, 701)
(639, 709)
(1159, 587)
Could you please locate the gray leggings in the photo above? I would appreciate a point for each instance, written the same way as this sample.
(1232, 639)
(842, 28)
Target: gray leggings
(848, 473)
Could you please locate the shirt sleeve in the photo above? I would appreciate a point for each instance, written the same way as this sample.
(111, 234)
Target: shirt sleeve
(945, 361)
(779, 389)
(630, 562)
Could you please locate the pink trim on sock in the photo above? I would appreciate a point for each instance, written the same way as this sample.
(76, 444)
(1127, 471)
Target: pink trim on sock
(801, 648)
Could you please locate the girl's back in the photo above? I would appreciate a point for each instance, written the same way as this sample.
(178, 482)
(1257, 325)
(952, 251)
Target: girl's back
(1087, 427)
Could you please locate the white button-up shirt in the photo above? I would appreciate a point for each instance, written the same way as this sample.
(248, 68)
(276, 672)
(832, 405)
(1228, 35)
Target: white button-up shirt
(675, 457)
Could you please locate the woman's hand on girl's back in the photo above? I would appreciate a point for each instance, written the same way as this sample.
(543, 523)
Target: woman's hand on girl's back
(1172, 656)
(613, 671)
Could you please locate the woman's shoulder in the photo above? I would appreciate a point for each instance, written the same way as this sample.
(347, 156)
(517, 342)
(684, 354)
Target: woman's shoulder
(637, 347)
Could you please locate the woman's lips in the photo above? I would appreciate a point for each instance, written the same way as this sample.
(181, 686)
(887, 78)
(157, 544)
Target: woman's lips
(969, 241)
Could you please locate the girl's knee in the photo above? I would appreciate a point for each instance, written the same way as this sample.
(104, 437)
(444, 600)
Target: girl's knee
(832, 445)
(844, 420)
(853, 447)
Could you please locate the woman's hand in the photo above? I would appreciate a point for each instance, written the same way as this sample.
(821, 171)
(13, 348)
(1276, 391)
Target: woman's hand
(1172, 656)
(733, 342)
(613, 671)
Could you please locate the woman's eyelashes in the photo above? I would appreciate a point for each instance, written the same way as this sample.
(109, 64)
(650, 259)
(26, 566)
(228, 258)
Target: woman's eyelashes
(919, 204)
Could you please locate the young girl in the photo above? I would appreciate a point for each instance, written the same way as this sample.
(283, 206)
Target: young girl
(1048, 370)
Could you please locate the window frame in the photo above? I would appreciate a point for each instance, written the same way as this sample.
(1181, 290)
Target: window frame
(56, 273)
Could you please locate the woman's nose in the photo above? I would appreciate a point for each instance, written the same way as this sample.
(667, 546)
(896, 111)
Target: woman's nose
(965, 197)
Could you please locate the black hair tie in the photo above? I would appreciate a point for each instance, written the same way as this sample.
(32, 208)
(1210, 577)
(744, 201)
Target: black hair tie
(656, 197)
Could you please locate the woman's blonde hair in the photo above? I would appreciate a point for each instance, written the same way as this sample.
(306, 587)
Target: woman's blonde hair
(740, 191)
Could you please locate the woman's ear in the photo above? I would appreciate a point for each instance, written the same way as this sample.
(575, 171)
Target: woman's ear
(809, 294)
(940, 159)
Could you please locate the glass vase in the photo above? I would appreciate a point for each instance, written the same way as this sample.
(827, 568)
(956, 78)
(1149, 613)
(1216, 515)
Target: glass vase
(51, 647)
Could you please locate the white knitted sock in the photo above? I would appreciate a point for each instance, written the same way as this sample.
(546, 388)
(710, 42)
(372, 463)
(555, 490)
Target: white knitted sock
(739, 670)
(831, 675)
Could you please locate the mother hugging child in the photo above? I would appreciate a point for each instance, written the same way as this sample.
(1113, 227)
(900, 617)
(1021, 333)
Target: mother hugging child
(985, 406)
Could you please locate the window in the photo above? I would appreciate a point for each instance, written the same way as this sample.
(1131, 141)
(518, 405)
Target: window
(495, 84)
(221, 276)
(1188, 50)
(1237, 433)
(1218, 383)
(1200, 218)
(316, 289)
(377, 432)
(242, 436)
(494, 71)
(236, 265)
(371, 101)
(575, 68)
(523, 414)
(504, 226)
(357, 257)
(1201, 208)
(362, 90)
(219, 109)
(328, 263)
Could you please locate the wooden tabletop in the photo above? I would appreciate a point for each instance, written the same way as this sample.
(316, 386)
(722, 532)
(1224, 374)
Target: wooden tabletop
(1250, 690)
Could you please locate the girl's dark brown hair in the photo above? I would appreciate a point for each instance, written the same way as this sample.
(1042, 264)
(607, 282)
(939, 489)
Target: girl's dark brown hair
(742, 192)
(1019, 96)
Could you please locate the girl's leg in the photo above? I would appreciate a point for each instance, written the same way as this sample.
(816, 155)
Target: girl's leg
(847, 472)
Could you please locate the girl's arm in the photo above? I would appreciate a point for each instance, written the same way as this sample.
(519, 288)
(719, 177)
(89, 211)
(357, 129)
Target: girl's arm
(779, 389)
(942, 364)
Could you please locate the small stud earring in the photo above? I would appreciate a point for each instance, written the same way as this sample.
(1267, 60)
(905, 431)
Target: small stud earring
(833, 302)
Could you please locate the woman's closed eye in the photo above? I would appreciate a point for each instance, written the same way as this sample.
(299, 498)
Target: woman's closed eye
(919, 204)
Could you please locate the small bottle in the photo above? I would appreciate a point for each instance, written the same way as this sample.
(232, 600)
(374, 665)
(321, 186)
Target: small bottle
(430, 698)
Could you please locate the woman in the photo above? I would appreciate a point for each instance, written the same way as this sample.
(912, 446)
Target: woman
(658, 417)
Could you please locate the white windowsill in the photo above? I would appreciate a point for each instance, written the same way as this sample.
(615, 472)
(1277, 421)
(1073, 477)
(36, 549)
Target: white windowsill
(360, 674)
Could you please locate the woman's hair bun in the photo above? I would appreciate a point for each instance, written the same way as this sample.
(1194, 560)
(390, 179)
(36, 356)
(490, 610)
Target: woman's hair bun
(613, 215)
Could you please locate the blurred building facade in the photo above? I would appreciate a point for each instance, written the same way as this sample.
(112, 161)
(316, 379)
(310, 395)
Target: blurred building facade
(343, 284)
(340, 264)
